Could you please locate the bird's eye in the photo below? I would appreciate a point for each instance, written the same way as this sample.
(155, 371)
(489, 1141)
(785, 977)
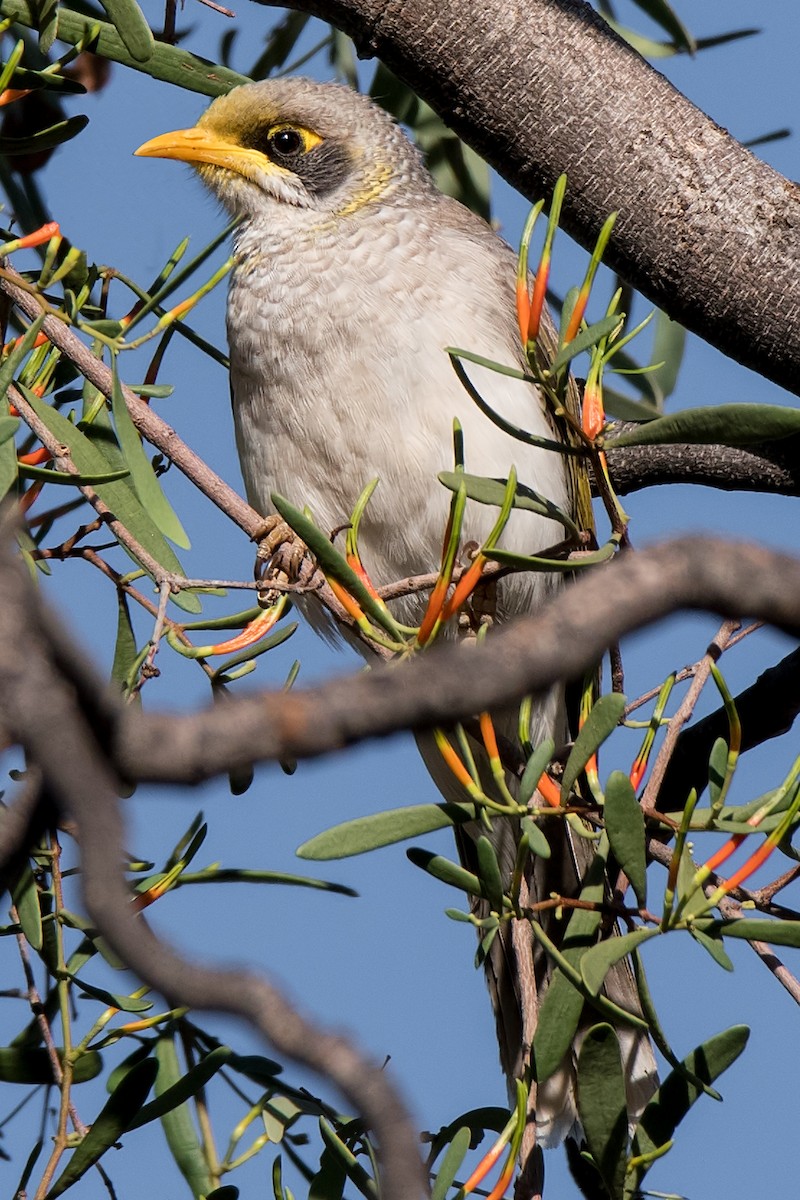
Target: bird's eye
(286, 142)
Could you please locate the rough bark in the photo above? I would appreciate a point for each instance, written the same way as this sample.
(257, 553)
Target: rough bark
(705, 230)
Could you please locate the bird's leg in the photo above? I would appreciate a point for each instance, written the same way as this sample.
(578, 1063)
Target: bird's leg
(279, 558)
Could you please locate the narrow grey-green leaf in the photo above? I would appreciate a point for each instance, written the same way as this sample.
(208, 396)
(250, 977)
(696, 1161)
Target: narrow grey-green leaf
(754, 929)
(131, 25)
(602, 1107)
(108, 1126)
(717, 769)
(8, 427)
(25, 895)
(536, 838)
(118, 496)
(334, 564)
(724, 424)
(169, 63)
(537, 562)
(112, 999)
(32, 1065)
(585, 340)
(179, 1130)
(44, 139)
(534, 769)
(677, 1094)
(143, 477)
(125, 650)
(714, 946)
(624, 408)
(669, 343)
(350, 1164)
(599, 959)
(445, 870)
(187, 1086)
(451, 1162)
(383, 829)
(63, 479)
(489, 872)
(601, 722)
(624, 822)
(562, 1006)
(493, 491)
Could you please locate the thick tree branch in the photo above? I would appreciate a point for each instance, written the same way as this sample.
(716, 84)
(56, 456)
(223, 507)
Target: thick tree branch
(763, 467)
(705, 230)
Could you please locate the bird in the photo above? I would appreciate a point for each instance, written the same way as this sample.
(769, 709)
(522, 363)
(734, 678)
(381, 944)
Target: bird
(353, 274)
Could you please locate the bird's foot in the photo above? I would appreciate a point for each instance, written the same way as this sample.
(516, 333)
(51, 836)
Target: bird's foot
(279, 559)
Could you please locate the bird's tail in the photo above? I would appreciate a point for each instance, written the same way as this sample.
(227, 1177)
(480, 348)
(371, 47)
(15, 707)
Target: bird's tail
(518, 971)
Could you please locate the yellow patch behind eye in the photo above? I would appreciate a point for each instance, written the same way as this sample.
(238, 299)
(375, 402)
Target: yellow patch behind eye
(309, 138)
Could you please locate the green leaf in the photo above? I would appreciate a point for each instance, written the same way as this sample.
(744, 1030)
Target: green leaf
(118, 496)
(8, 427)
(536, 838)
(179, 1130)
(348, 1161)
(724, 424)
(184, 1088)
(143, 477)
(125, 650)
(256, 1067)
(334, 564)
(562, 1005)
(624, 823)
(664, 15)
(32, 1065)
(25, 895)
(167, 62)
(489, 873)
(668, 347)
(585, 340)
(383, 829)
(533, 562)
(534, 769)
(64, 479)
(599, 959)
(602, 1106)
(111, 999)
(717, 770)
(44, 139)
(446, 871)
(493, 492)
(109, 1125)
(451, 1162)
(677, 1094)
(600, 724)
(714, 946)
(131, 25)
(754, 929)
(623, 408)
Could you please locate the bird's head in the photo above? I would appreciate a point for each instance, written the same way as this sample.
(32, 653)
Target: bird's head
(312, 145)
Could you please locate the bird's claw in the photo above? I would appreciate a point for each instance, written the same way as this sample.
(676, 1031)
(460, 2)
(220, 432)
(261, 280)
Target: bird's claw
(279, 558)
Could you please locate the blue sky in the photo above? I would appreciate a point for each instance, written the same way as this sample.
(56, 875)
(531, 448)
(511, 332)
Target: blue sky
(389, 964)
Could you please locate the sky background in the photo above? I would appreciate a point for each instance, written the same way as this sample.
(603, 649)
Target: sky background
(389, 964)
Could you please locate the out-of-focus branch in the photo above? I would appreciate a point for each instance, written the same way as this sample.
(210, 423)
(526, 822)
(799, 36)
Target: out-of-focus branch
(557, 644)
(39, 706)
